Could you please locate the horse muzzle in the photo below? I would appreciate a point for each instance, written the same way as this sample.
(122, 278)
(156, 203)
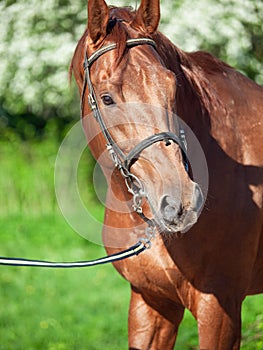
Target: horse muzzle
(177, 215)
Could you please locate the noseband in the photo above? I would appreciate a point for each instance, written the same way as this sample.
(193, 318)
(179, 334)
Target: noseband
(121, 161)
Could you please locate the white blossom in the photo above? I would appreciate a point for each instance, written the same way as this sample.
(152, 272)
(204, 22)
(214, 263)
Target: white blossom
(38, 38)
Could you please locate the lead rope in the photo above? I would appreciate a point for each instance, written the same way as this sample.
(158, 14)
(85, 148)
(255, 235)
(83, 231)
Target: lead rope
(132, 251)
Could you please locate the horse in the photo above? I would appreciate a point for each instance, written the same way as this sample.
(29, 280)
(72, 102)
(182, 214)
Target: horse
(206, 252)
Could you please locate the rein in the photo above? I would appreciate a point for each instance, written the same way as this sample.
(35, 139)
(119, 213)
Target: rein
(123, 163)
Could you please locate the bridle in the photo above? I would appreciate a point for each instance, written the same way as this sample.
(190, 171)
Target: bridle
(123, 163)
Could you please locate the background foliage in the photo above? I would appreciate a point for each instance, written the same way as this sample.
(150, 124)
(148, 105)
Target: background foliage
(37, 40)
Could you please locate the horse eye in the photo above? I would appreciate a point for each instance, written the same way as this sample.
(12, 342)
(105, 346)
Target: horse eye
(107, 100)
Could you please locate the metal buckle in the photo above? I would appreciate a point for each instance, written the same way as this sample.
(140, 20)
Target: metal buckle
(183, 138)
(92, 102)
(113, 155)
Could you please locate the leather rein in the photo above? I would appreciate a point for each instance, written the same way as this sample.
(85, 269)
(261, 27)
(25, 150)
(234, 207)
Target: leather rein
(123, 163)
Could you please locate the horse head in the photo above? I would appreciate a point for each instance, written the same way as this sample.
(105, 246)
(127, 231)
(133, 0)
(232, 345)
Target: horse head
(132, 94)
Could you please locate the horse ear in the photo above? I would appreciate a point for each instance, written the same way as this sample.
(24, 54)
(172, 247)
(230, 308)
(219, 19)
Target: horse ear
(148, 16)
(98, 17)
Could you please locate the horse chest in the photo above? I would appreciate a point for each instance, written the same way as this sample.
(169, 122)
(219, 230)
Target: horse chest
(156, 275)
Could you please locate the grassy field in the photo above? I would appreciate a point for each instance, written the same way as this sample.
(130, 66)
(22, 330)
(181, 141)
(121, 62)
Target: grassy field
(44, 309)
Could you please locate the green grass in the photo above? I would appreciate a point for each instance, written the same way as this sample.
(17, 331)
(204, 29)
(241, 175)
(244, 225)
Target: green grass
(58, 309)
(66, 309)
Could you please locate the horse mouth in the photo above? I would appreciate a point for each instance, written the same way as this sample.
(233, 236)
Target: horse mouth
(176, 217)
(181, 223)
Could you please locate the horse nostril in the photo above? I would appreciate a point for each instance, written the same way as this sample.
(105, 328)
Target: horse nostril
(198, 198)
(170, 208)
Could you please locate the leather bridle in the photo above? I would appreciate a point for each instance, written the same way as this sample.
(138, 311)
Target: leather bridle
(121, 161)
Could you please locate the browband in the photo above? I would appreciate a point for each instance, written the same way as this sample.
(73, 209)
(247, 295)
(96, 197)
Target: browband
(130, 43)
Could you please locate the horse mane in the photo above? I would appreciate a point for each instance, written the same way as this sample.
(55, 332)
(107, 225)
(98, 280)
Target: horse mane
(191, 69)
(197, 66)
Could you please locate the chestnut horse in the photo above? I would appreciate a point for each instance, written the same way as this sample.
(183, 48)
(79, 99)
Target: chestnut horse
(122, 60)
